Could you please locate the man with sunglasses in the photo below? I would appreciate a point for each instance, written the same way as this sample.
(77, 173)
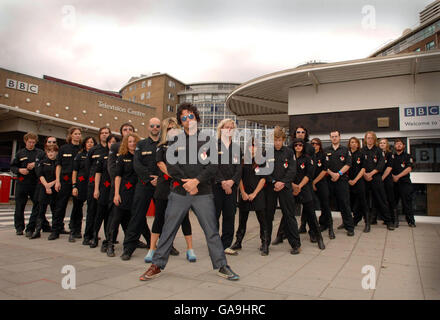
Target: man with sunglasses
(192, 173)
(144, 164)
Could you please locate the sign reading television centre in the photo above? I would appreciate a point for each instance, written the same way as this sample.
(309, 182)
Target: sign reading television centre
(420, 117)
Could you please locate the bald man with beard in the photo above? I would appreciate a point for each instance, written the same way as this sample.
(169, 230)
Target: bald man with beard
(144, 163)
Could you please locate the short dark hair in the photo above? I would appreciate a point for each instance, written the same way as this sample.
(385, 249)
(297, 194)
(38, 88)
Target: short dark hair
(83, 143)
(187, 106)
(111, 136)
(399, 140)
(127, 124)
(335, 130)
(53, 147)
(306, 137)
(103, 128)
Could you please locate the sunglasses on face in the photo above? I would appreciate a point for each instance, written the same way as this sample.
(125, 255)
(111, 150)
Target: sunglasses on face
(314, 143)
(300, 132)
(298, 145)
(155, 126)
(50, 141)
(190, 116)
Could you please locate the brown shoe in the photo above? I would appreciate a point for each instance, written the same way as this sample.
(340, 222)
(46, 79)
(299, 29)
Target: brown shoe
(151, 273)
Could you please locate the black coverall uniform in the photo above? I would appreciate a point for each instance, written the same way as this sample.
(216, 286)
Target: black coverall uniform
(82, 175)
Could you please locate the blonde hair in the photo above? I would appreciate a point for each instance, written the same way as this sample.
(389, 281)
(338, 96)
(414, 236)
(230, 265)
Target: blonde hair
(279, 132)
(30, 135)
(123, 149)
(164, 130)
(374, 137)
(222, 124)
(387, 149)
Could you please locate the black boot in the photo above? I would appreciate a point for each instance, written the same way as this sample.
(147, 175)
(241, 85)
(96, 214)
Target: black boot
(110, 249)
(302, 228)
(331, 233)
(321, 244)
(313, 237)
(265, 244)
(396, 219)
(104, 246)
(36, 234)
(94, 242)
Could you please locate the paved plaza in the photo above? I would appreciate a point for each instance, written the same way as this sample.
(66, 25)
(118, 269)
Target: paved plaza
(406, 266)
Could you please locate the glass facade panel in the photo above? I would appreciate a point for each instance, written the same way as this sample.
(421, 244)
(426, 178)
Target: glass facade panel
(426, 153)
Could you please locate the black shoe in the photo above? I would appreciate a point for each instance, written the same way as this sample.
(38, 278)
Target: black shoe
(19, 232)
(341, 226)
(264, 250)
(313, 238)
(94, 243)
(323, 227)
(367, 228)
(412, 225)
(390, 226)
(86, 242)
(174, 251)
(294, 250)
(28, 234)
(302, 229)
(226, 272)
(64, 232)
(53, 236)
(77, 235)
(104, 247)
(110, 250)
(236, 245)
(72, 238)
(35, 235)
(126, 255)
(356, 221)
(141, 245)
(47, 229)
(331, 233)
(321, 244)
(350, 233)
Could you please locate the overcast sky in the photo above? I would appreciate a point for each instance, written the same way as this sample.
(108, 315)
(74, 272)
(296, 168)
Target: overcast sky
(103, 43)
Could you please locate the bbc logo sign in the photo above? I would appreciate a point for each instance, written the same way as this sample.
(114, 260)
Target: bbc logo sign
(22, 86)
(422, 111)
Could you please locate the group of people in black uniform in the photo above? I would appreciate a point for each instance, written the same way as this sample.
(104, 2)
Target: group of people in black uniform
(173, 170)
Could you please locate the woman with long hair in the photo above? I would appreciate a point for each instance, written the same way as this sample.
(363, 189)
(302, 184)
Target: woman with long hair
(387, 179)
(63, 184)
(358, 197)
(125, 182)
(170, 128)
(320, 186)
(80, 177)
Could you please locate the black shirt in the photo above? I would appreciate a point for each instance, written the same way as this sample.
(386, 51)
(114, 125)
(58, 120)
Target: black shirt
(92, 157)
(112, 157)
(374, 159)
(22, 158)
(105, 181)
(229, 166)
(400, 163)
(46, 168)
(202, 169)
(284, 167)
(125, 170)
(304, 168)
(82, 176)
(337, 159)
(357, 164)
(251, 180)
(145, 160)
(163, 181)
(65, 159)
(320, 163)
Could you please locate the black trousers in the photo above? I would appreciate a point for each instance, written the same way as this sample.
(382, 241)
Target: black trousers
(138, 221)
(35, 209)
(262, 220)
(341, 191)
(102, 215)
(377, 188)
(76, 216)
(226, 206)
(22, 193)
(60, 208)
(159, 218)
(92, 207)
(120, 217)
(404, 192)
(389, 189)
(287, 202)
(42, 207)
(358, 200)
(308, 212)
(323, 194)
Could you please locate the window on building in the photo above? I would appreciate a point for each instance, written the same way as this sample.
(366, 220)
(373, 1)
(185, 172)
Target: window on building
(430, 45)
(142, 96)
(426, 153)
(148, 95)
(417, 50)
(170, 108)
(131, 88)
(149, 83)
(171, 84)
(170, 96)
(134, 99)
(134, 87)
(144, 83)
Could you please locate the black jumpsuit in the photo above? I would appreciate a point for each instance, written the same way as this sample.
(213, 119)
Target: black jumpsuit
(46, 168)
(122, 214)
(250, 181)
(374, 159)
(229, 168)
(25, 187)
(284, 170)
(389, 185)
(358, 197)
(92, 204)
(322, 191)
(82, 175)
(403, 187)
(65, 159)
